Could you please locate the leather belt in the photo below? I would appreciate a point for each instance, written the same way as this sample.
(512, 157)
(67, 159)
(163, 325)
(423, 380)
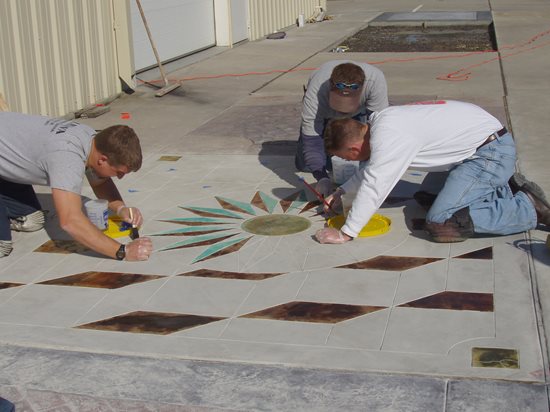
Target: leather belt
(494, 136)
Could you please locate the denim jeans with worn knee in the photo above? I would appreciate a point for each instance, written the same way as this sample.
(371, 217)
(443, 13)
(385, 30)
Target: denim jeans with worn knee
(481, 183)
(15, 200)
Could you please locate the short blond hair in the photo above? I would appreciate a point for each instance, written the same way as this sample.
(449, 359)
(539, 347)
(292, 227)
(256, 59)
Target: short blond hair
(341, 132)
(121, 146)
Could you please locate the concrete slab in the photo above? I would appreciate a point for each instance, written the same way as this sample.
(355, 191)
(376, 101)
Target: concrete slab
(219, 330)
(433, 339)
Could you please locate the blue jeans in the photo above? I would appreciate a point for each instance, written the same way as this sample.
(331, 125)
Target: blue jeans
(15, 200)
(6, 406)
(481, 183)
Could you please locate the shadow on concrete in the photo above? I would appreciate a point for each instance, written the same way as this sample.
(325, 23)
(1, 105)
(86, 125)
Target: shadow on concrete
(537, 248)
(284, 168)
(52, 227)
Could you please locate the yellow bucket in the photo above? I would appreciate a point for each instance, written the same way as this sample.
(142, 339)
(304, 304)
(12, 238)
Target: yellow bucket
(377, 225)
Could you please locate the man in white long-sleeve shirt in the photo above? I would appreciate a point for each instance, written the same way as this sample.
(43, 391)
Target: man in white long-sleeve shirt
(462, 138)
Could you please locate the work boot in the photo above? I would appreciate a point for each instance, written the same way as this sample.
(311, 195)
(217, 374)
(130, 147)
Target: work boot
(29, 223)
(457, 228)
(541, 206)
(425, 199)
(518, 180)
(6, 246)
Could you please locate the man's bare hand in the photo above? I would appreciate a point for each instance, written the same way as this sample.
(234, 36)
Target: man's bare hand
(134, 218)
(139, 249)
(332, 235)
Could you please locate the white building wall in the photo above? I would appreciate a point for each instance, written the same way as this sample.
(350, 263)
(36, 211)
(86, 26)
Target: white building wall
(268, 16)
(59, 56)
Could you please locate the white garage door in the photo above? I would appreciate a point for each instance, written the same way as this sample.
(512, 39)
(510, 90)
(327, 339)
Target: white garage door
(178, 27)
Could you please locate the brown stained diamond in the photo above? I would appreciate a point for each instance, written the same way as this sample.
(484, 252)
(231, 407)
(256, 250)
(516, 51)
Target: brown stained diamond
(479, 302)
(103, 280)
(218, 274)
(313, 312)
(495, 358)
(486, 253)
(62, 246)
(150, 322)
(395, 263)
(7, 285)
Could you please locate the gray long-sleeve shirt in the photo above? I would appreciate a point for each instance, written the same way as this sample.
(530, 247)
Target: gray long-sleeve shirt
(316, 110)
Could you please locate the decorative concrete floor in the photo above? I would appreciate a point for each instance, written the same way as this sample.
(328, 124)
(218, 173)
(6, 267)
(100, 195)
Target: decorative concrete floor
(237, 276)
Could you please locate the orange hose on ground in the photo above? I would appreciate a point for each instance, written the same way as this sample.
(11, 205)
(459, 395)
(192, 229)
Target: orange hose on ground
(461, 74)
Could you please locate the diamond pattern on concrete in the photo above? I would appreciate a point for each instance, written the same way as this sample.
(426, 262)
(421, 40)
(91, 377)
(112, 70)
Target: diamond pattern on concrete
(485, 253)
(399, 263)
(105, 280)
(150, 322)
(314, 312)
(481, 302)
(218, 274)
(7, 285)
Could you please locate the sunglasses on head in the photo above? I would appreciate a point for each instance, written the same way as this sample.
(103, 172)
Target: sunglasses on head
(342, 86)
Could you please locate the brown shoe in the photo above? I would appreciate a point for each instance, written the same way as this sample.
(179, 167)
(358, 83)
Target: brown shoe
(541, 206)
(457, 228)
(517, 181)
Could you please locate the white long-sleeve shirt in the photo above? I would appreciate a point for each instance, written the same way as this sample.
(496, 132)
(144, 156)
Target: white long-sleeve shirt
(429, 137)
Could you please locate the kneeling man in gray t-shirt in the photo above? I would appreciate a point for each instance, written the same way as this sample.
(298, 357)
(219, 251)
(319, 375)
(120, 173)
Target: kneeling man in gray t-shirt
(38, 150)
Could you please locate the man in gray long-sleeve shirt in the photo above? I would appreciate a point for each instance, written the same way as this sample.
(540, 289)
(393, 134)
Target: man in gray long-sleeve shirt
(339, 88)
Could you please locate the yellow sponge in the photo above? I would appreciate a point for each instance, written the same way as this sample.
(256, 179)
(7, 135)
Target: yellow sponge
(117, 227)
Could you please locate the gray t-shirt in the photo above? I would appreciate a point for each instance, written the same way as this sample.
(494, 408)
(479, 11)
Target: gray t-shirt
(44, 151)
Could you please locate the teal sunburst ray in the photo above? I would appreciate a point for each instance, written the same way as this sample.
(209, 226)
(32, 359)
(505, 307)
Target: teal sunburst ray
(264, 202)
(201, 240)
(294, 201)
(212, 212)
(222, 248)
(189, 231)
(235, 205)
(195, 221)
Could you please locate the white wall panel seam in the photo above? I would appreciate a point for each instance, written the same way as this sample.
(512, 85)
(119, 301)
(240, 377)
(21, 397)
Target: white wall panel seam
(57, 61)
(39, 62)
(17, 55)
(267, 16)
(76, 77)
